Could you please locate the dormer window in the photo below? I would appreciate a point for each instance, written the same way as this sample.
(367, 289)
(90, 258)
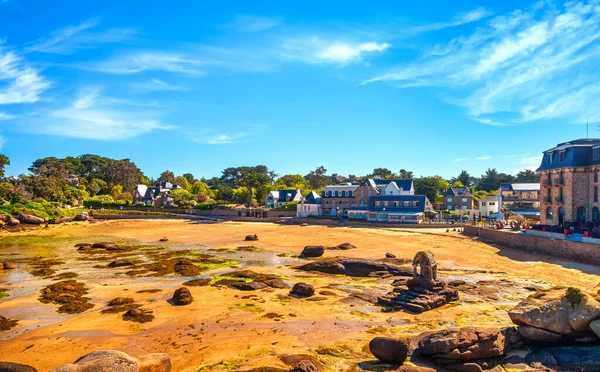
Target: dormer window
(563, 156)
(597, 153)
(551, 158)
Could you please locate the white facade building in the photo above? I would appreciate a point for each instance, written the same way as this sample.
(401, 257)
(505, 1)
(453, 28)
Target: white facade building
(488, 205)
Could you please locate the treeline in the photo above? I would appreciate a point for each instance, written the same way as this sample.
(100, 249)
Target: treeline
(92, 179)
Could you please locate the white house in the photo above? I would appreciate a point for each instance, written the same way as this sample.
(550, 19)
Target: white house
(488, 205)
(279, 197)
(310, 205)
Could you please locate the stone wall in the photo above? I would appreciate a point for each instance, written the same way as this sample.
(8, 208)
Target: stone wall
(564, 249)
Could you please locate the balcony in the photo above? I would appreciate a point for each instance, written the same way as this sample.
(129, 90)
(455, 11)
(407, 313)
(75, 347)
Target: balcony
(559, 181)
(559, 200)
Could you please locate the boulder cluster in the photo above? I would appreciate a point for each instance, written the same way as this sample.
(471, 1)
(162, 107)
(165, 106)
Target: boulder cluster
(420, 296)
(556, 329)
(29, 219)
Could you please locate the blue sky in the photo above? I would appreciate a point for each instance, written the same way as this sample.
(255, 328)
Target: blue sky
(434, 86)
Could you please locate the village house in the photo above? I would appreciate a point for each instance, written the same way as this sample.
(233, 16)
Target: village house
(520, 199)
(458, 198)
(278, 198)
(159, 196)
(309, 205)
(569, 183)
(374, 187)
(488, 205)
(399, 208)
(336, 200)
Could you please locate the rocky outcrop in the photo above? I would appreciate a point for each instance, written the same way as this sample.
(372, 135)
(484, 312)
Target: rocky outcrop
(9, 265)
(313, 251)
(364, 268)
(469, 343)
(302, 290)
(343, 247)
(120, 263)
(30, 219)
(65, 219)
(595, 327)
(576, 358)
(182, 296)
(251, 238)
(117, 361)
(306, 366)
(326, 267)
(83, 216)
(13, 222)
(389, 350)
(248, 286)
(105, 245)
(557, 310)
(15, 367)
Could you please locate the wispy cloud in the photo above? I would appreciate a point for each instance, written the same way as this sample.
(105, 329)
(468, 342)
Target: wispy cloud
(136, 62)
(468, 17)
(221, 139)
(525, 161)
(5, 116)
(91, 116)
(72, 38)
(484, 157)
(531, 64)
(316, 50)
(158, 85)
(22, 83)
(250, 23)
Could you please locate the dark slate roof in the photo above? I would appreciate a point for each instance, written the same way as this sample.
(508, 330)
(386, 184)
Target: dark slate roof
(312, 198)
(152, 192)
(458, 191)
(578, 153)
(286, 195)
(400, 198)
(404, 184)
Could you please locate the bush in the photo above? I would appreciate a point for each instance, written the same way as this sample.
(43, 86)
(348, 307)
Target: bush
(206, 206)
(291, 206)
(103, 201)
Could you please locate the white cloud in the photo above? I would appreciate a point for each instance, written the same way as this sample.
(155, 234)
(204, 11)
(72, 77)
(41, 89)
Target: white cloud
(72, 38)
(158, 85)
(23, 83)
(249, 23)
(469, 17)
(532, 64)
(5, 116)
(91, 116)
(484, 157)
(136, 62)
(222, 139)
(316, 50)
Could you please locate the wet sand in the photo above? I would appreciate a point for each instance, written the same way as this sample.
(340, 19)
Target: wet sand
(226, 329)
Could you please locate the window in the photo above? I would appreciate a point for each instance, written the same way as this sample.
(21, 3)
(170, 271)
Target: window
(407, 204)
(596, 194)
(483, 204)
(336, 193)
(551, 158)
(549, 213)
(596, 215)
(377, 203)
(330, 193)
(370, 194)
(596, 176)
(563, 156)
(362, 194)
(362, 202)
(491, 203)
(416, 203)
(449, 207)
(597, 153)
(449, 200)
(464, 207)
(464, 200)
(385, 204)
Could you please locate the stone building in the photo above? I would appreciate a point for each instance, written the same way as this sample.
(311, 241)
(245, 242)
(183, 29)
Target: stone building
(336, 200)
(569, 183)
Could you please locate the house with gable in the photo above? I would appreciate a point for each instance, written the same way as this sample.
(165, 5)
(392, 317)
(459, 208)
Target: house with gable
(278, 198)
(159, 196)
(399, 208)
(309, 205)
(458, 198)
(375, 187)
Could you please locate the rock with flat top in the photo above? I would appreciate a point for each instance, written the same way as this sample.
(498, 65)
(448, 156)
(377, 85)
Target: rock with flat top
(117, 361)
(302, 290)
(9, 265)
(389, 350)
(313, 251)
(31, 219)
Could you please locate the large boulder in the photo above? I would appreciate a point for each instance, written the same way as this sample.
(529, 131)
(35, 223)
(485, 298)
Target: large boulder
(83, 216)
(313, 251)
(469, 343)
(302, 290)
(13, 222)
(8, 265)
(344, 247)
(30, 219)
(389, 350)
(120, 263)
(248, 286)
(595, 327)
(538, 334)
(182, 296)
(4, 217)
(576, 358)
(15, 367)
(117, 361)
(104, 245)
(65, 219)
(365, 268)
(251, 238)
(557, 310)
(327, 267)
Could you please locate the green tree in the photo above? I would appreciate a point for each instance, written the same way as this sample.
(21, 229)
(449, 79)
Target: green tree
(122, 172)
(200, 187)
(317, 179)
(527, 176)
(457, 183)
(430, 186)
(183, 182)
(189, 177)
(166, 176)
(295, 181)
(382, 173)
(465, 179)
(183, 198)
(4, 161)
(253, 180)
(405, 175)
